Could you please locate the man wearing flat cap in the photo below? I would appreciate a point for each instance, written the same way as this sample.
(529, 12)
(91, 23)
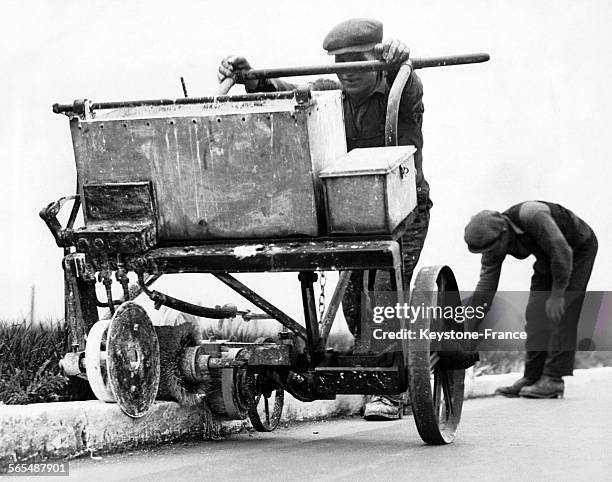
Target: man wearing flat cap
(564, 247)
(365, 96)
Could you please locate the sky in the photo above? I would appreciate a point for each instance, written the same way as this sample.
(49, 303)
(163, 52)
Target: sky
(532, 123)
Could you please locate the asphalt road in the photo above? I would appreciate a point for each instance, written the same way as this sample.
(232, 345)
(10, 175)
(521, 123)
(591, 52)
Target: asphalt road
(499, 439)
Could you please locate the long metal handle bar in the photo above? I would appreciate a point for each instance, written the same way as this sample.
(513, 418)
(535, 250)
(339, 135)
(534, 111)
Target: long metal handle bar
(345, 67)
(361, 66)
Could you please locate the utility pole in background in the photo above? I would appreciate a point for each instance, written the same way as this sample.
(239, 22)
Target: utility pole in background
(32, 303)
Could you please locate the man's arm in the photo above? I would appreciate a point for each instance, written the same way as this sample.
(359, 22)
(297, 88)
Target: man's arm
(490, 271)
(233, 63)
(277, 85)
(270, 85)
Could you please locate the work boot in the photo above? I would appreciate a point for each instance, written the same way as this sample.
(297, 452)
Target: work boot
(381, 407)
(514, 389)
(545, 387)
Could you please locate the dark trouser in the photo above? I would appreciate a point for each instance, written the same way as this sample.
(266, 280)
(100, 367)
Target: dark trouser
(560, 338)
(412, 244)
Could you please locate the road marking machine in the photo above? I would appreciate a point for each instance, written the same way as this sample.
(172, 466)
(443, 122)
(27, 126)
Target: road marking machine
(245, 183)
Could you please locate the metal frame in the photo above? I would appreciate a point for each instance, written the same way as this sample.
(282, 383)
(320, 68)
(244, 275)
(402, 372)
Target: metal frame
(313, 373)
(303, 257)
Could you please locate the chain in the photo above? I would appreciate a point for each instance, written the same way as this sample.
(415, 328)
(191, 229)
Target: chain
(322, 283)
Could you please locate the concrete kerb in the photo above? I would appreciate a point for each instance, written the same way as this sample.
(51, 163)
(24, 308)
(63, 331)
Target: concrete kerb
(64, 429)
(55, 430)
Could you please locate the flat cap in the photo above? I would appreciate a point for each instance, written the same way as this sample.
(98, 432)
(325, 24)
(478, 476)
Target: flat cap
(353, 35)
(483, 229)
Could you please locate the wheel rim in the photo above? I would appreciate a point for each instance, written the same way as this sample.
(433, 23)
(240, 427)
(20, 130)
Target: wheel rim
(133, 359)
(232, 387)
(95, 361)
(436, 395)
(445, 398)
(264, 409)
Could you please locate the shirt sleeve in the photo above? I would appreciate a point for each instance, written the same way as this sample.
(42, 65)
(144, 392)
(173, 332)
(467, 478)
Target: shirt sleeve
(272, 85)
(540, 225)
(490, 271)
(278, 85)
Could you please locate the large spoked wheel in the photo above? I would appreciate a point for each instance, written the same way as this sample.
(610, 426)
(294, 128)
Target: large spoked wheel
(265, 405)
(436, 395)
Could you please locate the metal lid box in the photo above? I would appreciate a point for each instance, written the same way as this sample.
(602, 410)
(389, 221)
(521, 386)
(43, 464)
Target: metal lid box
(371, 190)
(221, 167)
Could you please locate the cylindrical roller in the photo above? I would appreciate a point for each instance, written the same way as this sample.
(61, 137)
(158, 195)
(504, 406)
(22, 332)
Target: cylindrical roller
(235, 404)
(228, 396)
(188, 365)
(95, 361)
(179, 380)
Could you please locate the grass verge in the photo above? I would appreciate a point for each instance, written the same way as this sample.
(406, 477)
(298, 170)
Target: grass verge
(29, 365)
